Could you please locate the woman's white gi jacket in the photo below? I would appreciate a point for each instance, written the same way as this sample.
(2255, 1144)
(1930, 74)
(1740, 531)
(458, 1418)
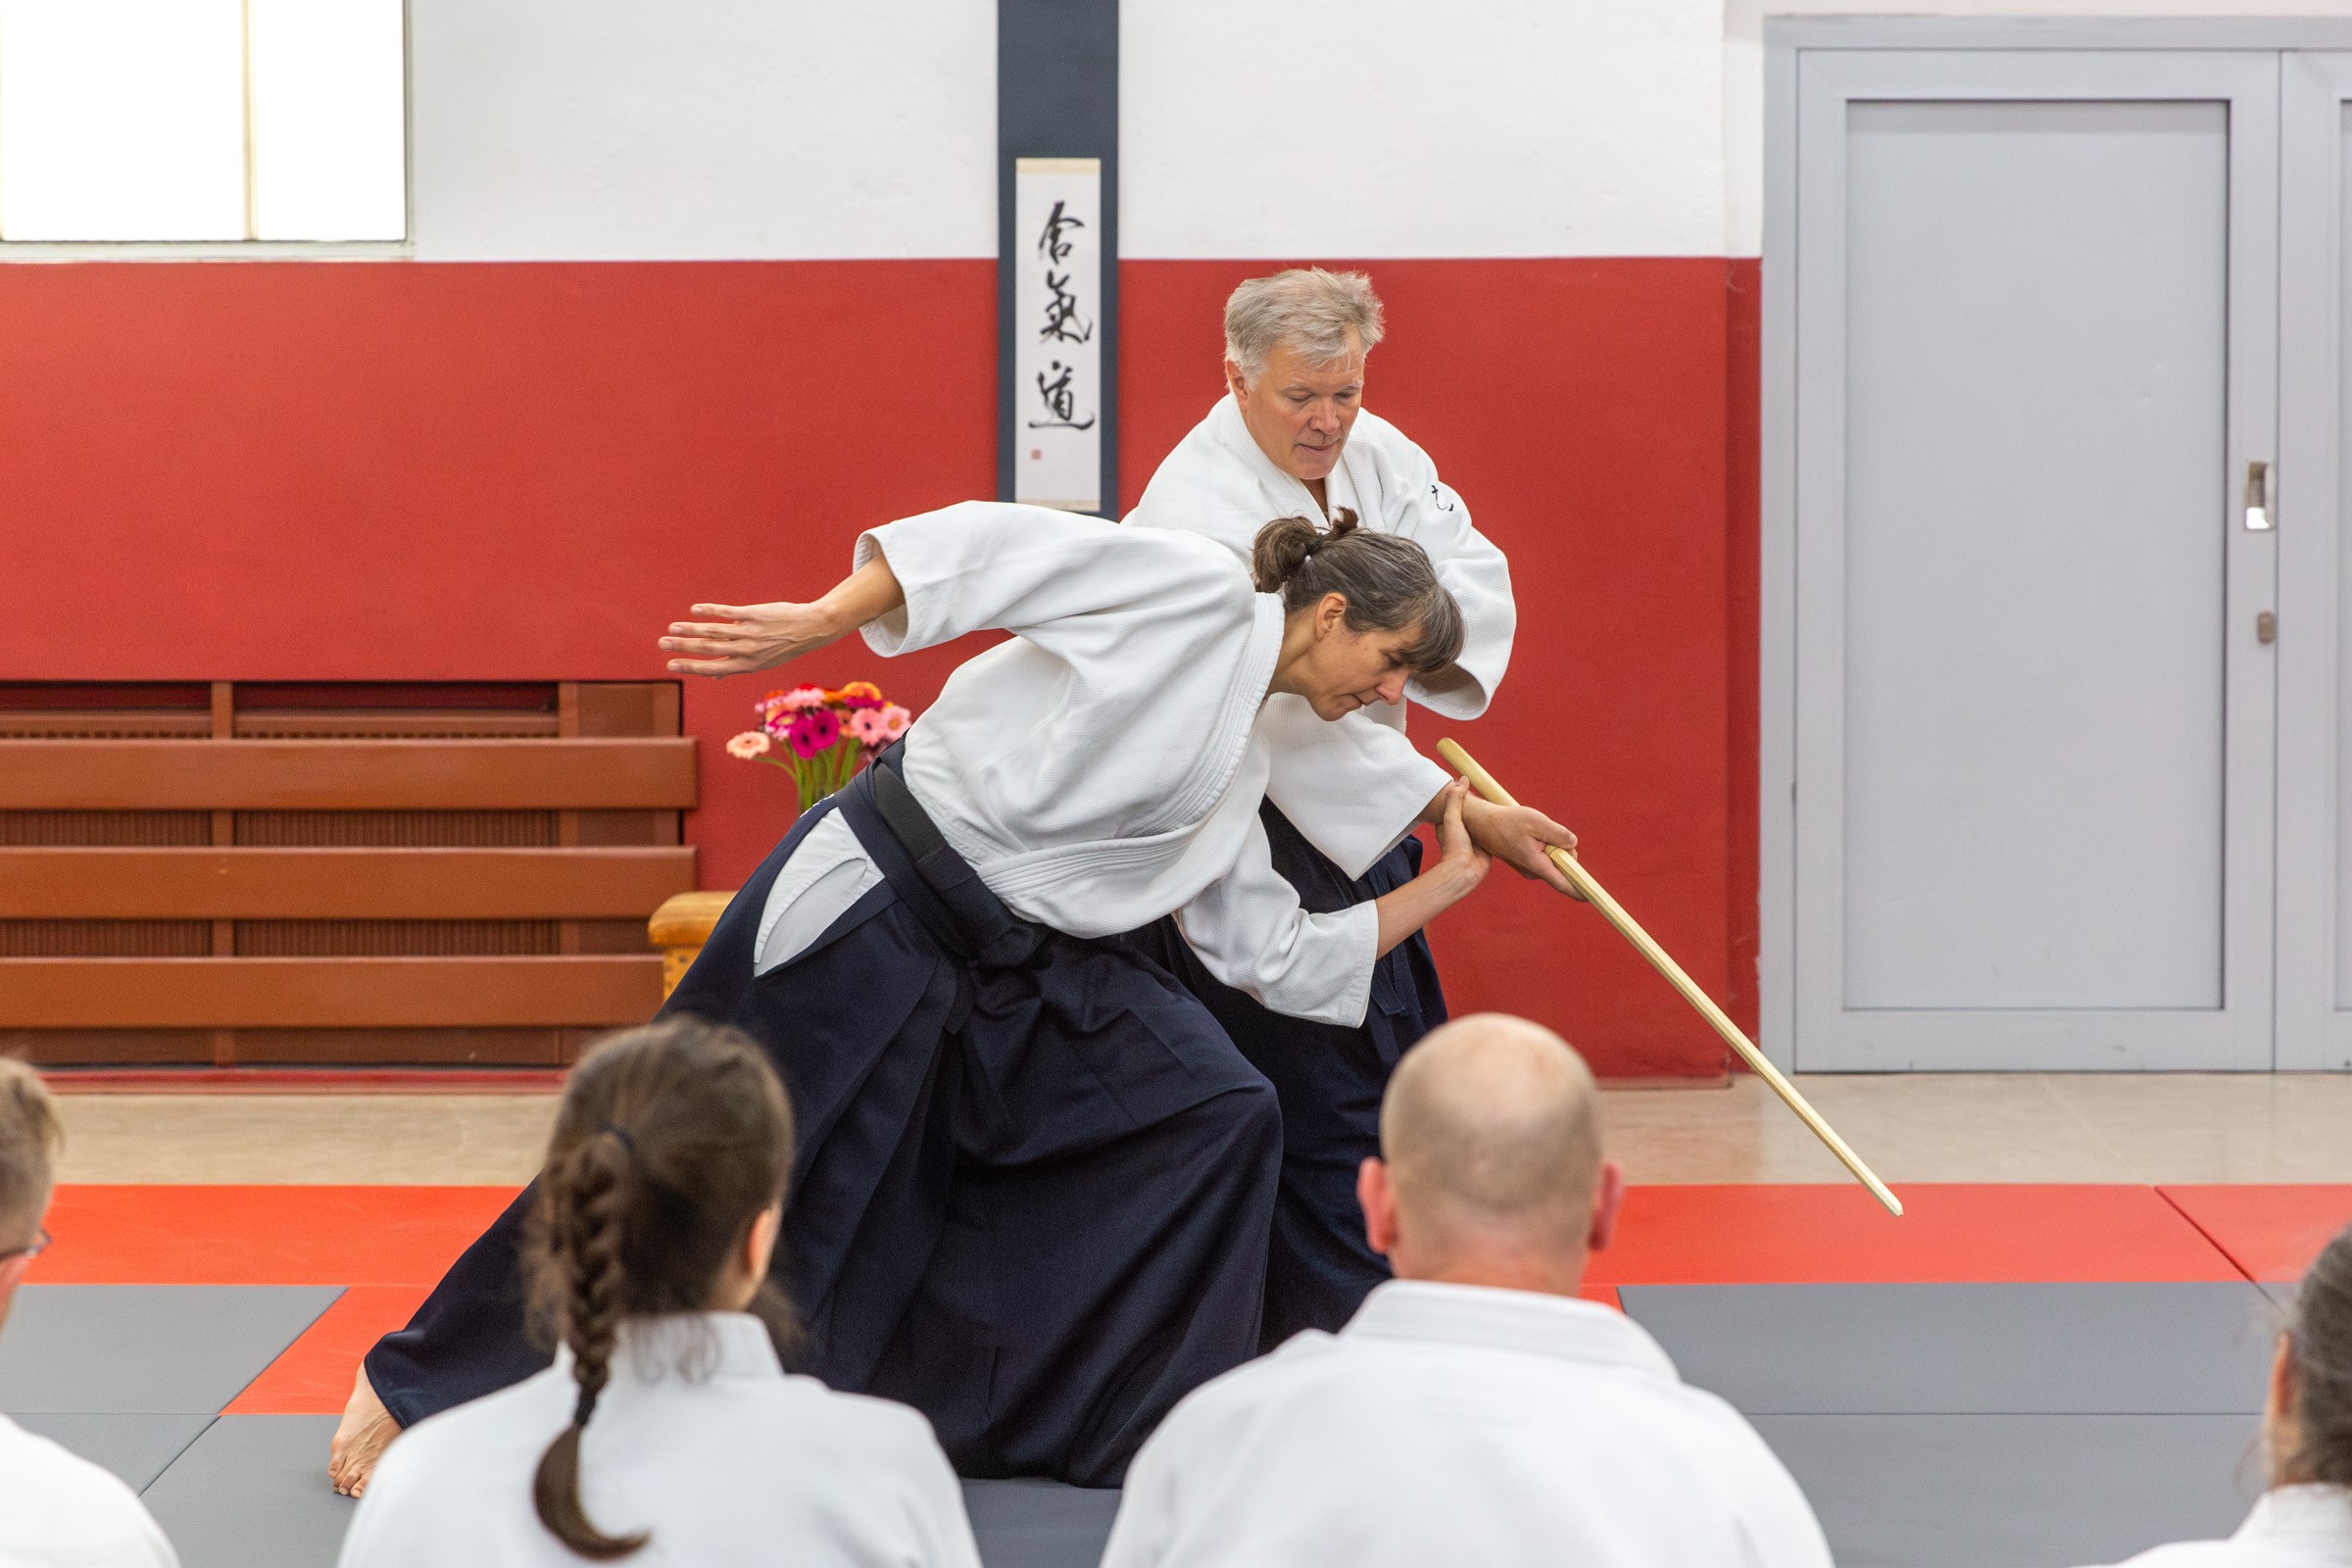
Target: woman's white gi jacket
(2290, 1526)
(1103, 767)
(700, 1439)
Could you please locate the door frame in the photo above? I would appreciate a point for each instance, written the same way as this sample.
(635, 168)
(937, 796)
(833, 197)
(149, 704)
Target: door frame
(1789, 44)
(2315, 1034)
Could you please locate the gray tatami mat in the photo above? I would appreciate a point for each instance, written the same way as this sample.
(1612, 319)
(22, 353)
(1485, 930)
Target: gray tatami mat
(135, 1446)
(1039, 1524)
(252, 1493)
(2015, 1491)
(147, 1348)
(2027, 1349)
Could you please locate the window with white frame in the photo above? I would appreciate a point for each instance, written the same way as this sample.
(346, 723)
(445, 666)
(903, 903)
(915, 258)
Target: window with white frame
(203, 119)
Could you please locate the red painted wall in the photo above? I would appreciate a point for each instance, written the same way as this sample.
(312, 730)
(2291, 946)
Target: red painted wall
(394, 472)
(1578, 406)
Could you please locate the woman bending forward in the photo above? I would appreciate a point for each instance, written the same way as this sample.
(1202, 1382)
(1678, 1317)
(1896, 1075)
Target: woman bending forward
(1036, 1180)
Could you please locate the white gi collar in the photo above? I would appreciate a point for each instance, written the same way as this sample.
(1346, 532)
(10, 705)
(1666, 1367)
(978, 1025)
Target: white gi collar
(2314, 1514)
(695, 1347)
(1523, 1321)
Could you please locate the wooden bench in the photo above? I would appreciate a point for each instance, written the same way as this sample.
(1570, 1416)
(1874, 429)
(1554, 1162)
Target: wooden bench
(246, 874)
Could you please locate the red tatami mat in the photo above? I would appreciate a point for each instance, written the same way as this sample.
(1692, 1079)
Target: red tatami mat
(312, 1376)
(2273, 1233)
(262, 1235)
(1824, 1234)
(1835, 1235)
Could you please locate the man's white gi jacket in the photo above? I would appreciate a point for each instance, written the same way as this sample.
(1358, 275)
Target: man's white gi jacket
(1457, 1424)
(1355, 787)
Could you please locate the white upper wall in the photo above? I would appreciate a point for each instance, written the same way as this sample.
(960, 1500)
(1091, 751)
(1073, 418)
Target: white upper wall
(1744, 70)
(1268, 128)
(701, 129)
(654, 129)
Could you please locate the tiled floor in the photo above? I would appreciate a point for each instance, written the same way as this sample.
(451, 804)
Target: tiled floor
(324, 1139)
(1998, 1127)
(1940, 1127)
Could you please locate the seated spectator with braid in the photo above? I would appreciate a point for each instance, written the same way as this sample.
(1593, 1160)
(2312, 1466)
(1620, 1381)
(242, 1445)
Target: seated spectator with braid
(55, 1508)
(668, 1418)
(2305, 1519)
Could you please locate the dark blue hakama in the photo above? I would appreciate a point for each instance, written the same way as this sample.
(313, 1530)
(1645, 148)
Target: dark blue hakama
(1032, 1189)
(1329, 1080)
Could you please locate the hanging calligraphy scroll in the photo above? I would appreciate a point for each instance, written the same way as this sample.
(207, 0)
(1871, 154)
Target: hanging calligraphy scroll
(1057, 385)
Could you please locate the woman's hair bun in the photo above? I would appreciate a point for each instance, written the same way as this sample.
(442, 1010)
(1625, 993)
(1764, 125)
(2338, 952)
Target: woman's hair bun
(1386, 578)
(1282, 548)
(1286, 545)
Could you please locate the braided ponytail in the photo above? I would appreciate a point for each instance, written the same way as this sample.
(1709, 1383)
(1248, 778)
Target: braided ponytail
(1386, 578)
(670, 1143)
(584, 1203)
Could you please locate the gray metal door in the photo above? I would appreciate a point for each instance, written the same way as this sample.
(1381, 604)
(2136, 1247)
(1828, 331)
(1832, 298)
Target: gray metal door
(2315, 511)
(2036, 348)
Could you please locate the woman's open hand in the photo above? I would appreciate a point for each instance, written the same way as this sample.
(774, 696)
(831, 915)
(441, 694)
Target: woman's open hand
(736, 639)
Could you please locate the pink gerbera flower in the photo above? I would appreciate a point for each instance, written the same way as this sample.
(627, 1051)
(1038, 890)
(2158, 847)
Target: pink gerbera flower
(816, 730)
(868, 725)
(895, 721)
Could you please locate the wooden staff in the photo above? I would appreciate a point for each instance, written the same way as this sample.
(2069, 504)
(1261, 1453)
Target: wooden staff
(1626, 927)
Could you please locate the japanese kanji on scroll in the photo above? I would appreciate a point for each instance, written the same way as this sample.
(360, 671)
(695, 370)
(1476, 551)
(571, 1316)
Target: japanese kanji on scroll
(1058, 399)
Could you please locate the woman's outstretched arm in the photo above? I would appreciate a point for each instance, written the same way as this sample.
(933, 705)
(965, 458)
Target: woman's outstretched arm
(736, 639)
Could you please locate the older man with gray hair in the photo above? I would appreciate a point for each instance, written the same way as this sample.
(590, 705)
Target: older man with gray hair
(1475, 1411)
(1291, 438)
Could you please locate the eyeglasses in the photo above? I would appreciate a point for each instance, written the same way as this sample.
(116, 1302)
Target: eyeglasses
(40, 1245)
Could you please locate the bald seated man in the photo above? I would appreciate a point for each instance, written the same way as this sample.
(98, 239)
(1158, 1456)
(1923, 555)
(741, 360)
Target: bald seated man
(1475, 1409)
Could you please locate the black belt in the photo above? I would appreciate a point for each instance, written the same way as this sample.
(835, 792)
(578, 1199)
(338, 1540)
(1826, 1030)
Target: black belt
(937, 884)
(910, 823)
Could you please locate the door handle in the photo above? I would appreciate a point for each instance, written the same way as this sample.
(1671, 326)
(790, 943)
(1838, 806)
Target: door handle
(2258, 497)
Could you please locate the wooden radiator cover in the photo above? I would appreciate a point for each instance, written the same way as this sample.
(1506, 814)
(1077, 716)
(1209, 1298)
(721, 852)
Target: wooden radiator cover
(257, 873)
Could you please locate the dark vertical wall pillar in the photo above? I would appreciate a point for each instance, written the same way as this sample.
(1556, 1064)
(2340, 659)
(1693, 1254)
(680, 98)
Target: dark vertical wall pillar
(1057, 96)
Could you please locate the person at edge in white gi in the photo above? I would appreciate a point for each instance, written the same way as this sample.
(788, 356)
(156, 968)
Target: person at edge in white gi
(55, 1508)
(1091, 1230)
(2304, 1520)
(1475, 1411)
(667, 1430)
(1292, 435)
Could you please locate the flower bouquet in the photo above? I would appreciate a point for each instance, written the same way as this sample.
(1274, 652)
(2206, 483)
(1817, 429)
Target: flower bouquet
(821, 737)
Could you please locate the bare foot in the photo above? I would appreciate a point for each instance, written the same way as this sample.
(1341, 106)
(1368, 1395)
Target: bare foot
(368, 1430)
